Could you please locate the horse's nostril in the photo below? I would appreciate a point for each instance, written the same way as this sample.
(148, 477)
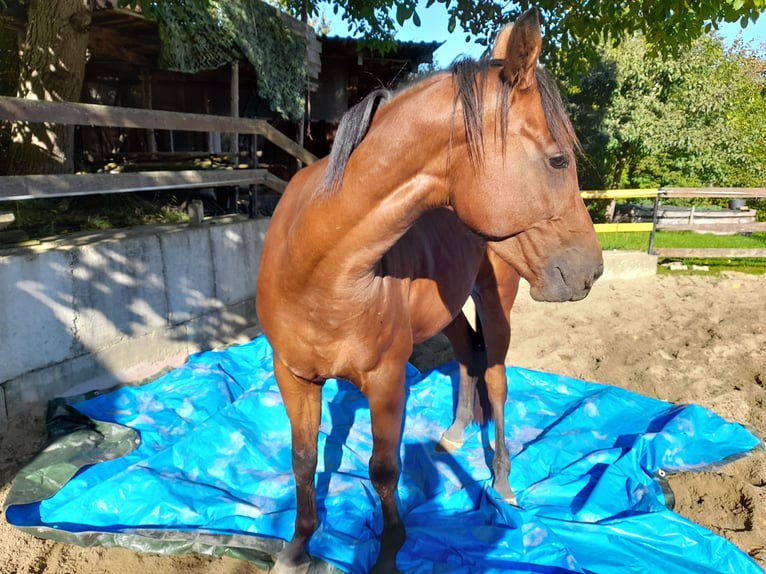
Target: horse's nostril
(599, 271)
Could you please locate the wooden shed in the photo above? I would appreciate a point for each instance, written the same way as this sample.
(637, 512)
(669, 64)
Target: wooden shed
(125, 68)
(349, 72)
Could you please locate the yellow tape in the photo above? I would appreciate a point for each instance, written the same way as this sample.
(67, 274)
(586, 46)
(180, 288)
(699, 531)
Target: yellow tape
(618, 193)
(621, 227)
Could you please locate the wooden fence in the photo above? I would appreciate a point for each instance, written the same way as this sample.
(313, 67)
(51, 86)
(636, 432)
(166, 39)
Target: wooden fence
(660, 194)
(37, 186)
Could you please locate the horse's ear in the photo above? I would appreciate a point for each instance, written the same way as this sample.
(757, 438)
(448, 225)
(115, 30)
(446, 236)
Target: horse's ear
(500, 48)
(523, 45)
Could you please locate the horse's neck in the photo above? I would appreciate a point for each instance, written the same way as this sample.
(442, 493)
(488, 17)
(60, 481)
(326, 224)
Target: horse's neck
(397, 173)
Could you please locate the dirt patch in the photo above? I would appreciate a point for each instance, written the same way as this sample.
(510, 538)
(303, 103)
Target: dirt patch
(684, 339)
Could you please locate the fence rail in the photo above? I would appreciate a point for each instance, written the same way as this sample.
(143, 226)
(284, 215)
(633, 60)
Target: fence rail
(19, 109)
(19, 187)
(38, 186)
(23, 187)
(659, 194)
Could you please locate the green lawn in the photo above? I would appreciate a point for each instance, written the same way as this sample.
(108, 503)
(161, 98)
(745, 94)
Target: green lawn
(687, 239)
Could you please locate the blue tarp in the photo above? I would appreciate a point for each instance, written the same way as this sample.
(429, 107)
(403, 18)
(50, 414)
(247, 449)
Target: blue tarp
(214, 457)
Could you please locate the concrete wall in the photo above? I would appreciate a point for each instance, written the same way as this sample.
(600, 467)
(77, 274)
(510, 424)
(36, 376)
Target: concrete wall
(91, 311)
(628, 265)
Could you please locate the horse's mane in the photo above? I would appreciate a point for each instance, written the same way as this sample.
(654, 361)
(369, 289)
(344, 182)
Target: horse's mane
(470, 76)
(351, 131)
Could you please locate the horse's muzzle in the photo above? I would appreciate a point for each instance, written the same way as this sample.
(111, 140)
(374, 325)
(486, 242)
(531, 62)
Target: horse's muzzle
(568, 279)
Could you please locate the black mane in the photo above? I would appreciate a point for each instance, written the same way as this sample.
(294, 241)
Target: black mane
(470, 77)
(351, 131)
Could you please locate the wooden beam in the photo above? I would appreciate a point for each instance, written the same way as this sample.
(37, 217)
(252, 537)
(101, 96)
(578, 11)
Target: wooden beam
(109, 43)
(234, 104)
(714, 192)
(19, 109)
(710, 253)
(274, 183)
(19, 187)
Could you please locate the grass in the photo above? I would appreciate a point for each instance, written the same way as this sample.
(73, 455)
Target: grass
(56, 217)
(687, 239)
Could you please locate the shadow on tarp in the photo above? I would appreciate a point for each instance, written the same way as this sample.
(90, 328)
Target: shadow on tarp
(199, 461)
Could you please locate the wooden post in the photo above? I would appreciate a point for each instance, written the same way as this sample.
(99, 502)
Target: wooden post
(146, 84)
(228, 197)
(234, 110)
(655, 216)
(213, 138)
(252, 188)
(196, 212)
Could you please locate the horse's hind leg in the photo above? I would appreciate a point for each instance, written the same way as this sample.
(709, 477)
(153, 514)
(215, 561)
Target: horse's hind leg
(497, 288)
(303, 401)
(469, 352)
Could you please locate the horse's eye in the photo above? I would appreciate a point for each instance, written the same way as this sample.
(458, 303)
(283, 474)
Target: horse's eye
(559, 162)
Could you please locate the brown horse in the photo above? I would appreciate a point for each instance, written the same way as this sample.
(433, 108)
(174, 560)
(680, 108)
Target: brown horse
(379, 246)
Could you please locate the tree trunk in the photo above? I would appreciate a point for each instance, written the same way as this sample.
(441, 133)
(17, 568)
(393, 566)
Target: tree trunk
(52, 68)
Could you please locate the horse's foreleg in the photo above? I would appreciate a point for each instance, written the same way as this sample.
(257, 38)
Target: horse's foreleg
(497, 389)
(460, 335)
(386, 409)
(303, 401)
(497, 295)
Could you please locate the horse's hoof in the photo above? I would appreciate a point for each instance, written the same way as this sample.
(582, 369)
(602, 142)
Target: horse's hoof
(282, 567)
(511, 500)
(507, 494)
(386, 568)
(447, 445)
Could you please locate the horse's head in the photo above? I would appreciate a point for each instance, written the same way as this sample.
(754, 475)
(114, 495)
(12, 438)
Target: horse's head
(516, 183)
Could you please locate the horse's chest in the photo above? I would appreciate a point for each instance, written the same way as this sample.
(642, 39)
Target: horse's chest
(339, 337)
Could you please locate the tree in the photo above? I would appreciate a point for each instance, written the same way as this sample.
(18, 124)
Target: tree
(691, 120)
(573, 28)
(53, 51)
(52, 67)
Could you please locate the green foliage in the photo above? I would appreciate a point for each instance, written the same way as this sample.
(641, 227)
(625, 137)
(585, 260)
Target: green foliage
(696, 119)
(207, 34)
(574, 29)
(62, 216)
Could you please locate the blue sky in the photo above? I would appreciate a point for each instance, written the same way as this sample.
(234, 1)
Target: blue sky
(433, 28)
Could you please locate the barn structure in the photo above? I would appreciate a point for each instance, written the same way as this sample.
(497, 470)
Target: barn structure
(253, 61)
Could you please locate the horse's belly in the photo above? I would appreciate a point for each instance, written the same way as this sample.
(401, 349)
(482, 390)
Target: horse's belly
(432, 309)
(440, 259)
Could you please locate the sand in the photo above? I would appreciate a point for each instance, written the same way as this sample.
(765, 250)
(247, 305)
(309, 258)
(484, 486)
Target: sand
(685, 339)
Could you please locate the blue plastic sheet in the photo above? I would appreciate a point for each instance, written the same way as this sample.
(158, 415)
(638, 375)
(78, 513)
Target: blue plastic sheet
(214, 457)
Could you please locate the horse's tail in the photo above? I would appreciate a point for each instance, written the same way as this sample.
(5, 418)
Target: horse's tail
(351, 131)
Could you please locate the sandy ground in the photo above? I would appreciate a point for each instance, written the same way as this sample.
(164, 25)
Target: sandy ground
(678, 338)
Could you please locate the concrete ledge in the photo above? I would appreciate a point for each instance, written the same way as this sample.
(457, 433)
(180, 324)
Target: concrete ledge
(95, 310)
(628, 265)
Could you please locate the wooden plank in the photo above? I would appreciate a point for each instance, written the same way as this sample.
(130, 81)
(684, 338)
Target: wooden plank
(274, 183)
(19, 109)
(622, 227)
(618, 193)
(724, 228)
(710, 253)
(714, 192)
(21, 187)
(282, 141)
